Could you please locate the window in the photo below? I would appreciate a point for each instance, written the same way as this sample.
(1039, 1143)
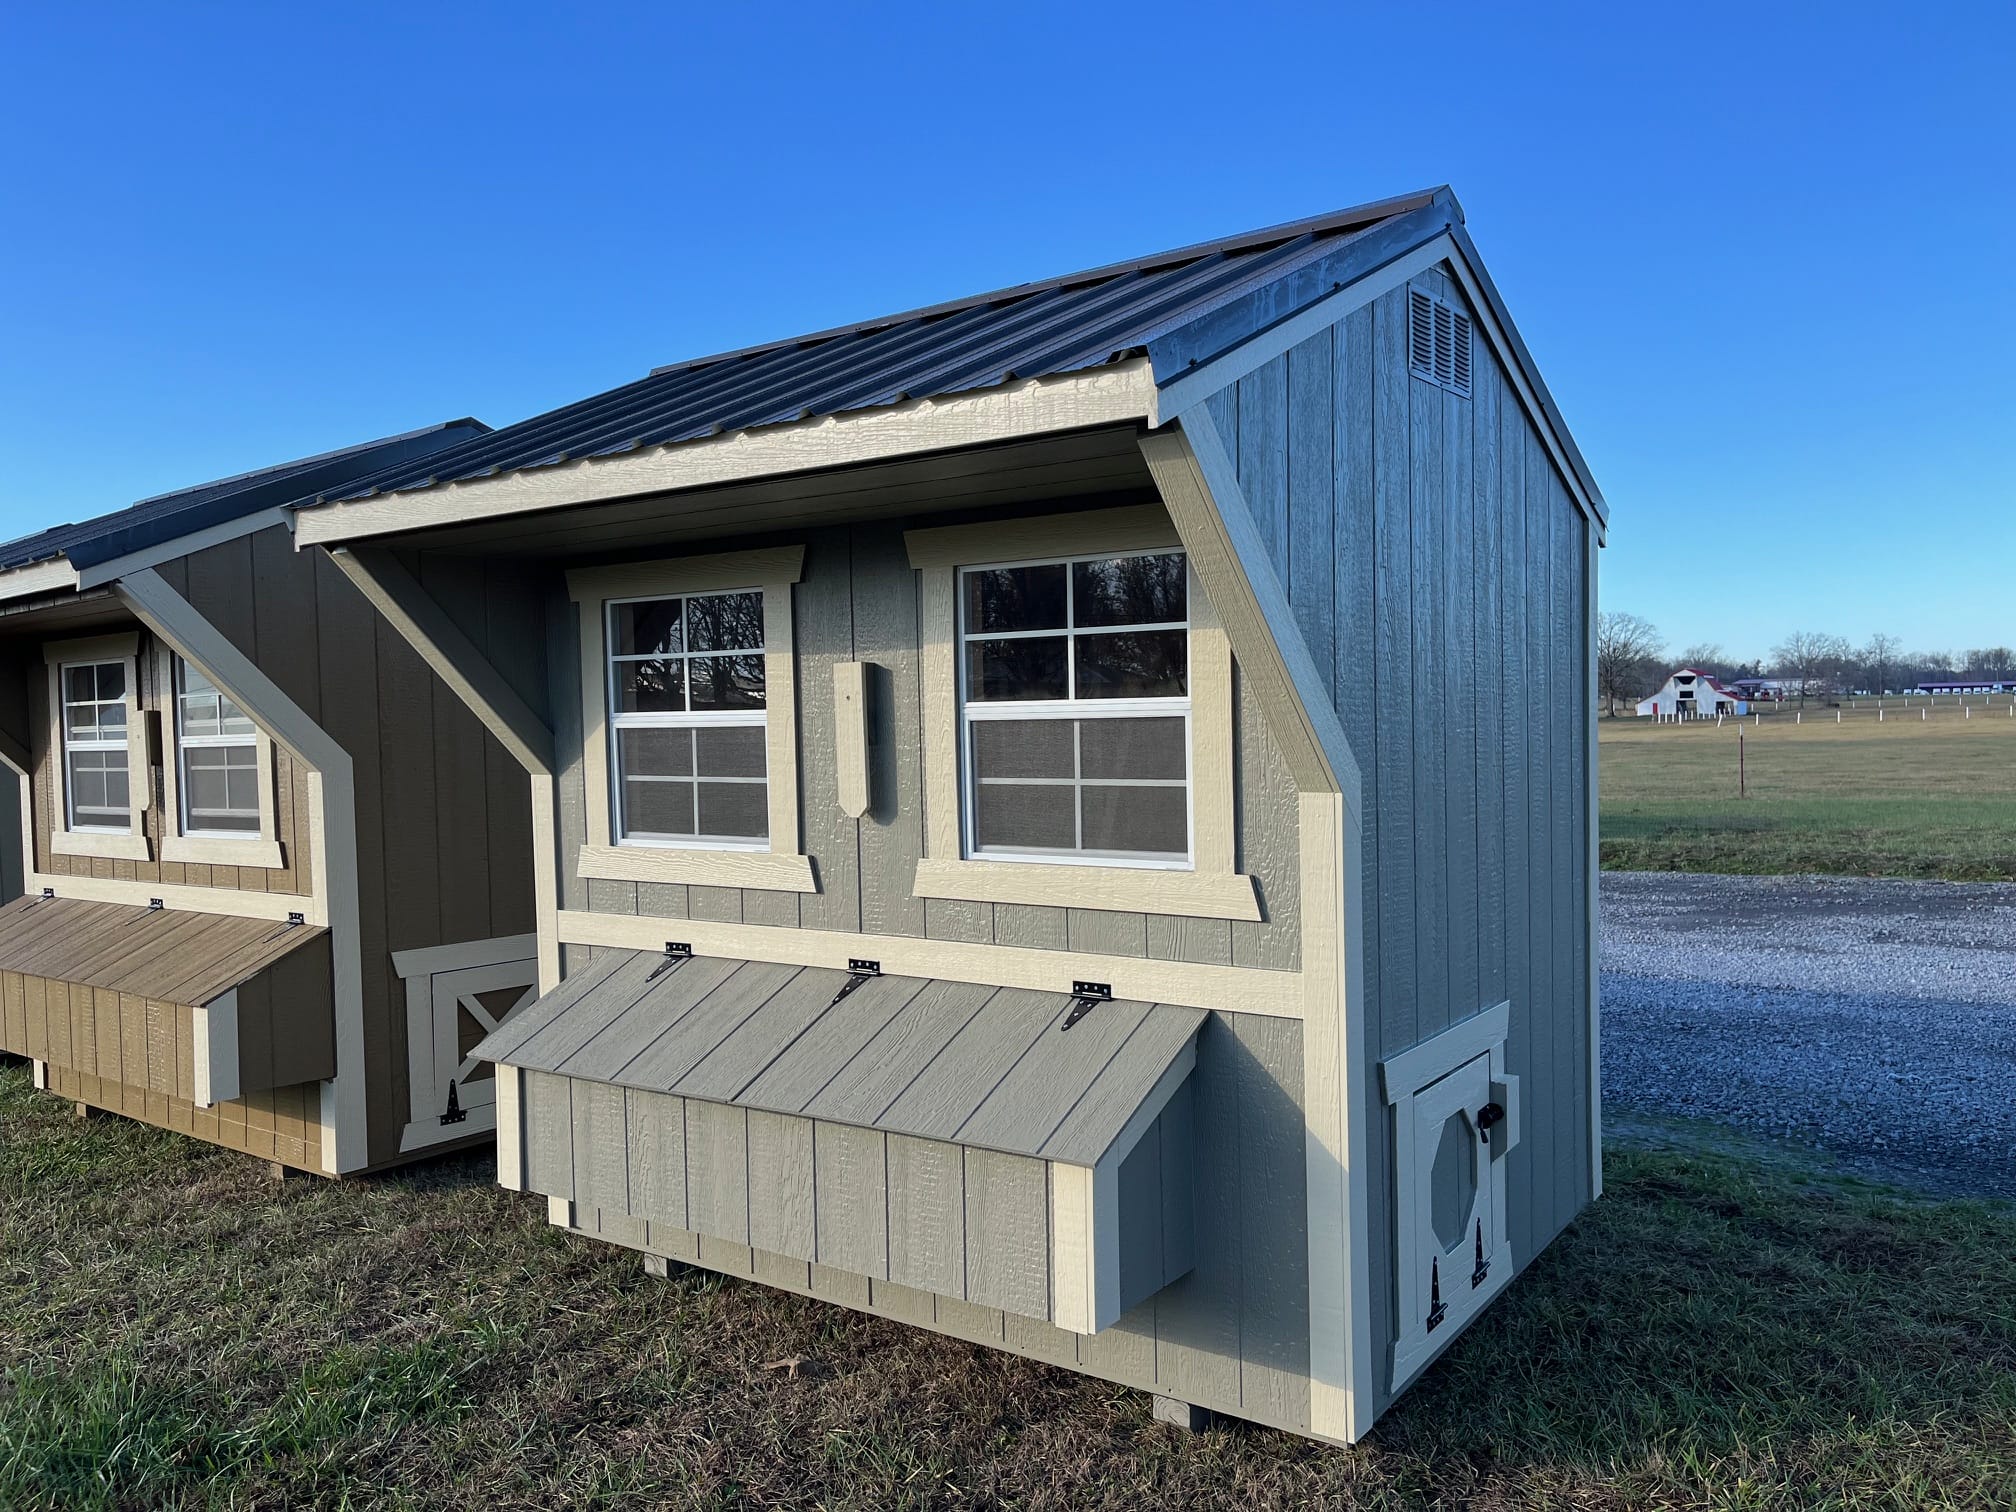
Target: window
(96, 786)
(688, 697)
(689, 721)
(1075, 709)
(217, 755)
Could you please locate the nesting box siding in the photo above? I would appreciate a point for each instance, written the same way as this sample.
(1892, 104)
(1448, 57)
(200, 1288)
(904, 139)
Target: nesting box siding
(1435, 559)
(443, 832)
(858, 601)
(1231, 1333)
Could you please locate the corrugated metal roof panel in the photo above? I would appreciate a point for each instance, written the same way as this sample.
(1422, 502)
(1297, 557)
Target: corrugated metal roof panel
(1044, 329)
(166, 516)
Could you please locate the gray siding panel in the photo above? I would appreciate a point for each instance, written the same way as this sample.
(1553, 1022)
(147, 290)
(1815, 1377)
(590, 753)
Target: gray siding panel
(1450, 601)
(858, 600)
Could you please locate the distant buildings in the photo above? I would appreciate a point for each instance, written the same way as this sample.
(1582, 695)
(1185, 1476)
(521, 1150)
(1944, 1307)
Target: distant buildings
(1693, 694)
(1974, 685)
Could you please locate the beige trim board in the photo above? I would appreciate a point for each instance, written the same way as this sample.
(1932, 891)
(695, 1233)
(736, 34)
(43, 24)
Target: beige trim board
(1230, 989)
(1123, 889)
(850, 737)
(333, 899)
(52, 576)
(695, 865)
(510, 1128)
(214, 900)
(711, 573)
(215, 1037)
(546, 878)
(1342, 1385)
(426, 960)
(1108, 395)
(104, 844)
(1131, 527)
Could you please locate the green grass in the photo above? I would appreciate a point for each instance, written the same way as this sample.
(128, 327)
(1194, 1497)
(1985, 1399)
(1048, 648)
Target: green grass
(1727, 1328)
(1900, 798)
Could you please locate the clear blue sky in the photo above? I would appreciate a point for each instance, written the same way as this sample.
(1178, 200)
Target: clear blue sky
(1761, 253)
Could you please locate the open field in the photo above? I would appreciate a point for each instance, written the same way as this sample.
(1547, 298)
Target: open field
(1727, 1328)
(1904, 797)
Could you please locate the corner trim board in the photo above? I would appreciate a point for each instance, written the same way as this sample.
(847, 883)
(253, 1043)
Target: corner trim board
(333, 901)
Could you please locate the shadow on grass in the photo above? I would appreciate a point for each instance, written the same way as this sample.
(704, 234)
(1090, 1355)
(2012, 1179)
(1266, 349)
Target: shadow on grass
(1729, 1326)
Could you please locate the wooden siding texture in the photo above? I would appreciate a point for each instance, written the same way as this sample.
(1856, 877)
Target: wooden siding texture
(1232, 1334)
(443, 822)
(859, 601)
(283, 1125)
(979, 1066)
(290, 800)
(970, 1224)
(1434, 558)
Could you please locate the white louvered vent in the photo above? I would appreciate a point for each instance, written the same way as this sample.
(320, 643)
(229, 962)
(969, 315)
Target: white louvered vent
(1438, 342)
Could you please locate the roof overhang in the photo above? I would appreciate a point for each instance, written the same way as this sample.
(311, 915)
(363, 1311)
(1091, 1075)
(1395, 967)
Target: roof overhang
(1116, 393)
(51, 576)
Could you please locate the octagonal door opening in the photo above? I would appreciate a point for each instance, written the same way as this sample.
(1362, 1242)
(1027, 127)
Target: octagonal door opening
(1455, 1233)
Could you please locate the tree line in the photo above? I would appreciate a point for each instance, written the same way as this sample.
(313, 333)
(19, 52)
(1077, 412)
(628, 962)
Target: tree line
(1632, 662)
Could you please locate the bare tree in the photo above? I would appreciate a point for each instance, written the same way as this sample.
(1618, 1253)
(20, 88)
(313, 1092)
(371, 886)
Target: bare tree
(1709, 657)
(1809, 658)
(1993, 662)
(1878, 658)
(1626, 645)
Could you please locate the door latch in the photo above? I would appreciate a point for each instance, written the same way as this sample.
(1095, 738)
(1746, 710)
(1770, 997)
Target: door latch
(1488, 1117)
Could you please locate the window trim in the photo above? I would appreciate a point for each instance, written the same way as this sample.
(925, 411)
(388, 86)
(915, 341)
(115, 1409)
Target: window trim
(1072, 709)
(208, 848)
(132, 843)
(779, 864)
(1211, 887)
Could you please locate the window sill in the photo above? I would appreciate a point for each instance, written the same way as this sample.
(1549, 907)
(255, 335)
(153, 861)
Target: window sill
(766, 870)
(1122, 889)
(114, 847)
(215, 850)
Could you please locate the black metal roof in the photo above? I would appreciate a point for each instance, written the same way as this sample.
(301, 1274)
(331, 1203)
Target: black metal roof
(1056, 326)
(168, 516)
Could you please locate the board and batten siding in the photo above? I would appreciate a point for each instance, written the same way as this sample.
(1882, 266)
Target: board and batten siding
(859, 601)
(1231, 1335)
(1435, 559)
(443, 826)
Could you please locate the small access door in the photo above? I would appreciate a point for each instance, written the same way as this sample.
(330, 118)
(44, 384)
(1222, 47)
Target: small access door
(1452, 1153)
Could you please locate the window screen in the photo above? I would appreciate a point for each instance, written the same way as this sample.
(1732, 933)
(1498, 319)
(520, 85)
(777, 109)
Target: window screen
(96, 790)
(1075, 708)
(687, 714)
(217, 752)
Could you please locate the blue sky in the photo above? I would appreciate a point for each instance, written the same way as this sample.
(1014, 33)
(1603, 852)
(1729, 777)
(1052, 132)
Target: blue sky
(1760, 253)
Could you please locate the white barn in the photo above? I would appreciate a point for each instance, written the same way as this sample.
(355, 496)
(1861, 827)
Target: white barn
(1692, 694)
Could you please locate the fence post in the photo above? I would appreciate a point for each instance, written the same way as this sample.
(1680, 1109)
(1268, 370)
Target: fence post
(1742, 769)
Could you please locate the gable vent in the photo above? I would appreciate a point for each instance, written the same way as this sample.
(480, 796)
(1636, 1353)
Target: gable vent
(1438, 342)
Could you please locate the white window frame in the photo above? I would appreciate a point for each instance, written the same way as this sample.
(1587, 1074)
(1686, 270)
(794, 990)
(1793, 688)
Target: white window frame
(1211, 886)
(713, 719)
(212, 847)
(1071, 708)
(777, 863)
(130, 843)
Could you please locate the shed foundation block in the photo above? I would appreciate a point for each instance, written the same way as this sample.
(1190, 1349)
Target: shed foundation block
(1179, 1414)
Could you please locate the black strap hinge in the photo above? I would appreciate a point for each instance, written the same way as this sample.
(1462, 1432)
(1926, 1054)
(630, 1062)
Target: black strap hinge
(1085, 996)
(677, 954)
(858, 972)
(456, 1112)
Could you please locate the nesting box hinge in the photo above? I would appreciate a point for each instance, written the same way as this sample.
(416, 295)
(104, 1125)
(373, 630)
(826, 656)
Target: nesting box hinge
(858, 971)
(677, 954)
(295, 920)
(1085, 996)
(155, 905)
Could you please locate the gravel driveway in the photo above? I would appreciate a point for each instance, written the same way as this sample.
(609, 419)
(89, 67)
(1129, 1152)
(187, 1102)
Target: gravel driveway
(1875, 1020)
